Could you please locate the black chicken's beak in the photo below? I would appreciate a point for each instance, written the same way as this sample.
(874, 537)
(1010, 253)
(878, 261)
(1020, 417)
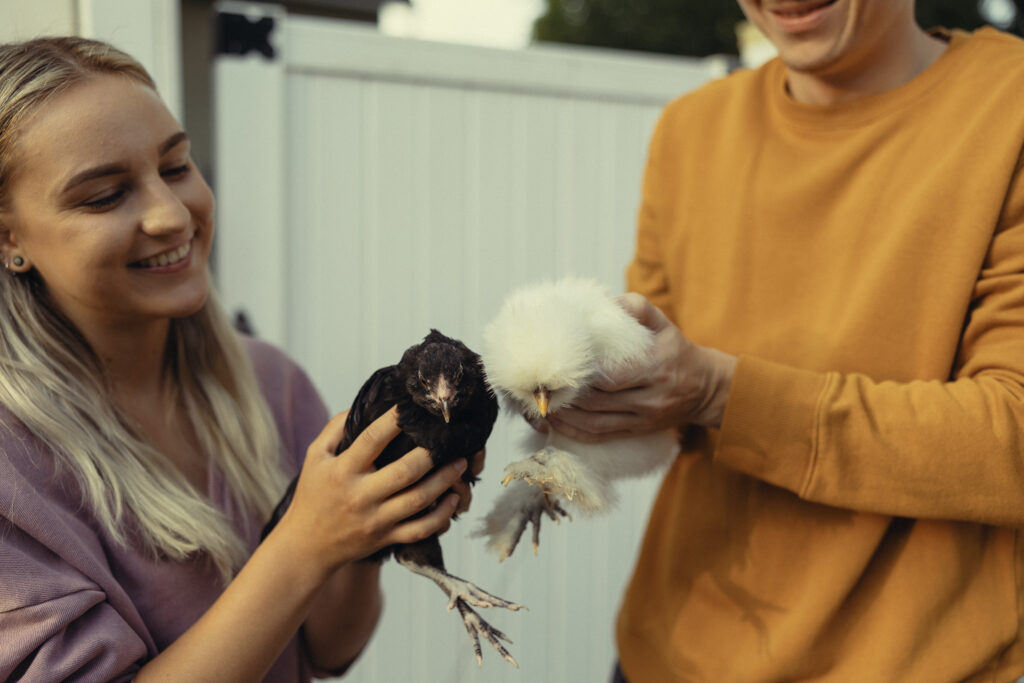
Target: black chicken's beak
(446, 412)
(543, 397)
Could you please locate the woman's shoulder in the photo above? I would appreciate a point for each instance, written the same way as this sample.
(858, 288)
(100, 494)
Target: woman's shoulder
(268, 360)
(39, 500)
(290, 393)
(23, 457)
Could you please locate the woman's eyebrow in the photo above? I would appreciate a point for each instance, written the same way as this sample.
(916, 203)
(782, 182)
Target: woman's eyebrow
(92, 173)
(173, 141)
(111, 169)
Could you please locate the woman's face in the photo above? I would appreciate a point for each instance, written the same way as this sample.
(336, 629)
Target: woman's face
(107, 206)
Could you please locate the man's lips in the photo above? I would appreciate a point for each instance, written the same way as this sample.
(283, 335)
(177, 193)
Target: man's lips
(794, 9)
(792, 17)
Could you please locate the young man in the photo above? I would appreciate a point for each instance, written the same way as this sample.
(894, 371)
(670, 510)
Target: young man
(831, 253)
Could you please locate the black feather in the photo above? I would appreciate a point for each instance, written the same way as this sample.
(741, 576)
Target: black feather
(472, 415)
(424, 400)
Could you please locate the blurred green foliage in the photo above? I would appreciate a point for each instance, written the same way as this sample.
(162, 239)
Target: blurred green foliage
(699, 27)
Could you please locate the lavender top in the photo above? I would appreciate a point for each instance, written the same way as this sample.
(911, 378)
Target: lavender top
(73, 604)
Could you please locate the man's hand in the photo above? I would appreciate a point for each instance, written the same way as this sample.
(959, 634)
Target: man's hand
(678, 383)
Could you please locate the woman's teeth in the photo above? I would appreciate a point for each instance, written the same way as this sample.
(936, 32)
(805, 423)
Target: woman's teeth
(167, 258)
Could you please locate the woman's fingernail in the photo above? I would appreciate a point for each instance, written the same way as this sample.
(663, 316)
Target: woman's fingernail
(460, 465)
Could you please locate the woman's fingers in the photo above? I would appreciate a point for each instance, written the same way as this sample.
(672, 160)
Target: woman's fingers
(465, 493)
(368, 445)
(410, 500)
(476, 463)
(434, 522)
(326, 443)
(400, 474)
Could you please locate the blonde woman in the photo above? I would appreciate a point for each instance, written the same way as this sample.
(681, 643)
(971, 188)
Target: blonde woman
(142, 443)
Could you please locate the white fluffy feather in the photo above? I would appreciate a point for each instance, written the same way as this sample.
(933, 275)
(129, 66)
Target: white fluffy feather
(563, 336)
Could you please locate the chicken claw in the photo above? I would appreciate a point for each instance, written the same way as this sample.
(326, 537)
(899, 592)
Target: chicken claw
(550, 508)
(520, 504)
(558, 472)
(461, 594)
(476, 626)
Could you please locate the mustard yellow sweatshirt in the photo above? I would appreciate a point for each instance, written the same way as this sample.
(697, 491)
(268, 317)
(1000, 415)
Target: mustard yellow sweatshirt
(858, 515)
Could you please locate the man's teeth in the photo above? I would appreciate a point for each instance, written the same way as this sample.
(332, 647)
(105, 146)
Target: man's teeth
(167, 258)
(802, 11)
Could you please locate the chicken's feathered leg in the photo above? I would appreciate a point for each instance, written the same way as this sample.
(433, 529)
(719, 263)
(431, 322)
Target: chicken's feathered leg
(558, 471)
(518, 505)
(425, 558)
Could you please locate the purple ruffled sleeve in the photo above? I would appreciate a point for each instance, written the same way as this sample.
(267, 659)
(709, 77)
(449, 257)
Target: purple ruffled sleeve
(55, 623)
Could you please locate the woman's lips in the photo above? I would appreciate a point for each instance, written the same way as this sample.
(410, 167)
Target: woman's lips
(168, 261)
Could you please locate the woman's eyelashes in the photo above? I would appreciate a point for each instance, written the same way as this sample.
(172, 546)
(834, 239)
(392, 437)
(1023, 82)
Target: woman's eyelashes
(176, 171)
(106, 201)
(111, 199)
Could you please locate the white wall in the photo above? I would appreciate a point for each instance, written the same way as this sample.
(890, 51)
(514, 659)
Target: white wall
(146, 29)
(24, 19)
(370, 188)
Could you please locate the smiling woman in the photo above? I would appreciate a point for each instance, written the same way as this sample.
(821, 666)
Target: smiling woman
(98, 218)
(142, 442)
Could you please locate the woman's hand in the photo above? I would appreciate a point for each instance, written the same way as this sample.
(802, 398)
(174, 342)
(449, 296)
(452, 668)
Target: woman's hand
(345, 509)
(462, 489)
(678, 383)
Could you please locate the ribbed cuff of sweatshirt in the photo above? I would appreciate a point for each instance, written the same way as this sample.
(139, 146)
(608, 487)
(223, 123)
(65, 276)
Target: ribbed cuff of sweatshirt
(771, 423)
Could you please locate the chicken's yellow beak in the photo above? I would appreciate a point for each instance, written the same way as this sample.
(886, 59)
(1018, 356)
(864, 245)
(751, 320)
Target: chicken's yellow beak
(543, 398)
(446, 412)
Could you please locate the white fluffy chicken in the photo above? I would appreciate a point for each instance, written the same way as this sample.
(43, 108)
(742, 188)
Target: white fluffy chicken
(546, 345)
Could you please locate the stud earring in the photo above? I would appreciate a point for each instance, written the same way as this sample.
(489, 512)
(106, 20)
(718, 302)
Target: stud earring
(18, 262)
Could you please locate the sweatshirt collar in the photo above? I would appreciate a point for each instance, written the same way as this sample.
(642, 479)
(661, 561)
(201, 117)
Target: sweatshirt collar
(865, 109)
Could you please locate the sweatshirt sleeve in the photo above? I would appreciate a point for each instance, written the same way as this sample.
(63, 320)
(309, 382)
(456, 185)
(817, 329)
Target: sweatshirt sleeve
(921, 449)
(57, 624)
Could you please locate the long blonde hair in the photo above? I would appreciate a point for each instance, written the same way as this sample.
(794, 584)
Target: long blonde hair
(53, 383)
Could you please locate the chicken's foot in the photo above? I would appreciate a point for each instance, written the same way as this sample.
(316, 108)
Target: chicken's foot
(518, 505)
(461, 594)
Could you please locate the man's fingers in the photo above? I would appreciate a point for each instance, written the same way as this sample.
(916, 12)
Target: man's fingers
(369, 444)
(649, 315)
(538, 423)
(593, 427)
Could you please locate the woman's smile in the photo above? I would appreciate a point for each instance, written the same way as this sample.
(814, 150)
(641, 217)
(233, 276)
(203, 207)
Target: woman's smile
(173, 260)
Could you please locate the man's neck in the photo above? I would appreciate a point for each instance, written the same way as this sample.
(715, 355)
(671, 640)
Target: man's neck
(878, 72)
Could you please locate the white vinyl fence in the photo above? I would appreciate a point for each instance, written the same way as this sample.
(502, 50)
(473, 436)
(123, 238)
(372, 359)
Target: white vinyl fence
(371, 188)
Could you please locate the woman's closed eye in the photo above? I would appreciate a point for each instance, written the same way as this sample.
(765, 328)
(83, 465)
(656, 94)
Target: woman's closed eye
(105, 201)
(176, 171)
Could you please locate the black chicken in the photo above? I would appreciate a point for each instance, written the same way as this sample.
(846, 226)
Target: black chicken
(444, 406)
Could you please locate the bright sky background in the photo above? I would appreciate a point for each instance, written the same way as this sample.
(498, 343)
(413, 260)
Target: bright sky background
(495, 23)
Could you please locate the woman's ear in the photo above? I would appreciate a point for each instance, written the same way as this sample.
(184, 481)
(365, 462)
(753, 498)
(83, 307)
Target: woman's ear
(12, 257)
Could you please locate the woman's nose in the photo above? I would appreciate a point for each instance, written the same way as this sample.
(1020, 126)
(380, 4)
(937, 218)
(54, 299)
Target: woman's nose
(163, 211)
